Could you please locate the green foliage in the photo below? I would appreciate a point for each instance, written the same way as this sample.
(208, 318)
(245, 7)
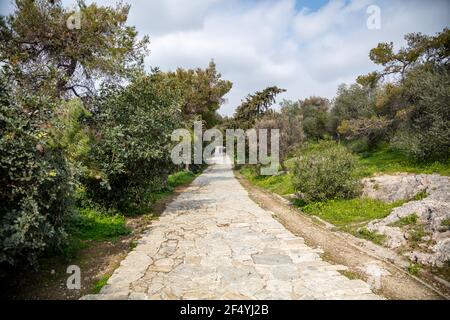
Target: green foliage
(405, 221)
(280, 184)
(202, 93)
(416, 234)
(51, 58)
(445, 223)
(254, 106)
(412, 113)
(425, 135)
(352, 102)
(421, 49)
(326, 171)
(364, 233)
(133, 151)
(71, 132)
(386, 160)
(353, 211)
(314, 111)
(414, 269)
(180, 178)
(371, 130)
(95, 224)
(420, 195)
(289, 122)
(35, 186)
(100, 284)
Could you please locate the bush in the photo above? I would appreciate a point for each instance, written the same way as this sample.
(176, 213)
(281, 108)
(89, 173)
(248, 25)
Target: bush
(326, 171)
(132, 153)
(35, 186)
(425, 136)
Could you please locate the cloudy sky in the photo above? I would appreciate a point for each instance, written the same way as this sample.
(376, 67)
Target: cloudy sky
(307, 47)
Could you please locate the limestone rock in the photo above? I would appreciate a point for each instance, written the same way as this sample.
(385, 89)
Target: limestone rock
(431, 211)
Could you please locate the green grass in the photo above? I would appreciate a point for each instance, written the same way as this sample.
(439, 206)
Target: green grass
(420, 195)
(414, 269)
(373, 236)
(93, 224)
(100, 284)
(405, 221)
(280, 184)
(181, 177)
(385, 160)
(174, 180)
(416, 235)
(350, 274)
(341, 213)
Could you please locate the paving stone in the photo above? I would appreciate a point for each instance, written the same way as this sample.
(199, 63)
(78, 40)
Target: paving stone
(214, 242)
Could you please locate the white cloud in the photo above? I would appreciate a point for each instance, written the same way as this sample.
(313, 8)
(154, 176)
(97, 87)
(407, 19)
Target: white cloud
(273, 43)
(256, 43)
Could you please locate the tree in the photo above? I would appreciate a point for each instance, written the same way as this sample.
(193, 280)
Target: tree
(424, 131)
(315, 117)
(352, 103)
(255, 105)
(47, 56)
(421, 49)
(132, 152)
(35, 180)
(289, 122)
(413, 107)
(202, 91)
(371, 130)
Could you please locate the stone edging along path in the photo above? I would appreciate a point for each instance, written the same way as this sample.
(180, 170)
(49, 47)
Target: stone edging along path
(214, 242)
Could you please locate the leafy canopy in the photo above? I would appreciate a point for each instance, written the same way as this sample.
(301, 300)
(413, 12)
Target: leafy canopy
(47, 55)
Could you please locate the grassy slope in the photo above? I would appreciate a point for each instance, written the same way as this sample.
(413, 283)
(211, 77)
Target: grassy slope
(281, 184)
(388, 161)
(348, 214)
(342, 213)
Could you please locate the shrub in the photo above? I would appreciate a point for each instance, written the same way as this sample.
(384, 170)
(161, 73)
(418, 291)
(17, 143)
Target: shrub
(326, 171)
(35, 181)
(424, 136)
(132, 153)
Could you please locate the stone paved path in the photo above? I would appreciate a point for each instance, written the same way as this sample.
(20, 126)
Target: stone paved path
(214, 242)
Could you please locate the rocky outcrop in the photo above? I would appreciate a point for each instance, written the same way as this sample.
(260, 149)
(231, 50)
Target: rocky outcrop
(431, 211)
(391, 188)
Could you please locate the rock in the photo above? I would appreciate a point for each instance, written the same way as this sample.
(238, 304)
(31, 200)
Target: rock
(391, 188)
(395, 237)
(431, 211)
(440, 255)
(271, 259)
